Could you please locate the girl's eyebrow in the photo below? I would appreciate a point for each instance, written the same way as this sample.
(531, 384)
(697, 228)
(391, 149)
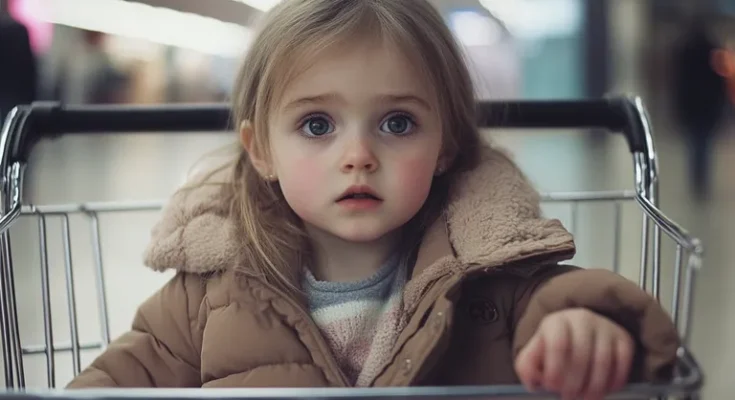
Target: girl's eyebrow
(406, 98)
(337, 98)
(318, 99)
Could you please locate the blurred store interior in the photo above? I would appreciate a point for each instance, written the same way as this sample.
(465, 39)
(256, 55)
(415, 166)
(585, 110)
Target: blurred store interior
(678, 55)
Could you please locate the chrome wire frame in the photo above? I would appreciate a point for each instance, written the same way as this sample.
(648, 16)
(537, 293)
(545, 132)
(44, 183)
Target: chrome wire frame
(689, 254)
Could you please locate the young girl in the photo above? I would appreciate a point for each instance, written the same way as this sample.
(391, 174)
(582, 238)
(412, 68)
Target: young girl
(364, 236)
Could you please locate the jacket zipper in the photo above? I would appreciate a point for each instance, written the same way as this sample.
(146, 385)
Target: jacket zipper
(316, 333)
(490, 269)
(321, 342)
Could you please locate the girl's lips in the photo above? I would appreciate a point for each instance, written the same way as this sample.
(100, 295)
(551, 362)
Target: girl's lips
(360, 204)
(359, 192)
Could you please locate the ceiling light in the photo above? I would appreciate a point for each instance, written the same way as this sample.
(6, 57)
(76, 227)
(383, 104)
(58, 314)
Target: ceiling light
(262, 5)
(531, 19)
(156, 24)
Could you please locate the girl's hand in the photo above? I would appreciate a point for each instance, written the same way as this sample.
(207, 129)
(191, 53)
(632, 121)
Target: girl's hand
(578, 354)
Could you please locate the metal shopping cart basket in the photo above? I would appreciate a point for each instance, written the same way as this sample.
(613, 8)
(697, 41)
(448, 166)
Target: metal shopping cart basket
(27, 125)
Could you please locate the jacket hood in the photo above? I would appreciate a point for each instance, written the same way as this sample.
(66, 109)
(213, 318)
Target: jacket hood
(493, 216)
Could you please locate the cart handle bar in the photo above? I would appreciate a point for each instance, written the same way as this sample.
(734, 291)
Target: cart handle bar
(689, 384)
(50, 119)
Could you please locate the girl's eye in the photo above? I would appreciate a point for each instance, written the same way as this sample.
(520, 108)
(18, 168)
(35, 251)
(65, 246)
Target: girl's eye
(317, 126)
(398, 125)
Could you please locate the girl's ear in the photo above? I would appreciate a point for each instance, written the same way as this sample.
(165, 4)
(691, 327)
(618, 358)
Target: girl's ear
(439, 168)
(256, 154)
(442, 165)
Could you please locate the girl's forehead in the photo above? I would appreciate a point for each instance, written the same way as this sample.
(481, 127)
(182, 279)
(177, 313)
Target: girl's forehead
(360, 66)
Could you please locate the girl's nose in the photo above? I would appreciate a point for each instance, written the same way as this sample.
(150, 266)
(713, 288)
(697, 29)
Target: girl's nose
(359, 156)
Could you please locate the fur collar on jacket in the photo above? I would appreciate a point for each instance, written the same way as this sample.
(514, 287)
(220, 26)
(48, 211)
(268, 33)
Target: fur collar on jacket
(493, 216)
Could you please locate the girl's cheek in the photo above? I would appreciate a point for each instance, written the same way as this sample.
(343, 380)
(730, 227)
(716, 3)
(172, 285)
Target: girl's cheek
(413, 179)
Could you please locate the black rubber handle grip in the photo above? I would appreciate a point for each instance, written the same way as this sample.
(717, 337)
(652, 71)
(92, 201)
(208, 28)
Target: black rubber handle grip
(40, 120)
(48, 119)
(617, 115)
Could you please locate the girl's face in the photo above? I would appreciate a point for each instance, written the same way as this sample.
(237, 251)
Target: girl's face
(358, 122)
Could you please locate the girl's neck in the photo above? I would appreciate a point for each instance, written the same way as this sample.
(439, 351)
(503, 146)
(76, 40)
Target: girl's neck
(338, 260)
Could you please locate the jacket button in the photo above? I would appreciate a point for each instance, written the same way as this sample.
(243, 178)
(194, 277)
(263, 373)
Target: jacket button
(407, 366)
(438, 321)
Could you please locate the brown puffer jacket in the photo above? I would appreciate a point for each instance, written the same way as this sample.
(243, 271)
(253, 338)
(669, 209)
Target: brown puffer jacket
(485, 276)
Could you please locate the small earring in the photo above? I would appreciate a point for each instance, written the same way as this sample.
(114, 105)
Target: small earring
(270, 177)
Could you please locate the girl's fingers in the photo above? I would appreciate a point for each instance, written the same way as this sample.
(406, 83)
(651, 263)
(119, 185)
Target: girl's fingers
(529, 363)
(578, 355)
(623, 347)
(579, 365)
(602, 373)
(557, 339)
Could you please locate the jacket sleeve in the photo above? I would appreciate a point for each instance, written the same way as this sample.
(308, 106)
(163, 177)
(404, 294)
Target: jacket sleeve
(163, 347)
(610, 295)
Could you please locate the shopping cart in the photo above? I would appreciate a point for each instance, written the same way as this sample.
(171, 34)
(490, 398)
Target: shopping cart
(27, 125)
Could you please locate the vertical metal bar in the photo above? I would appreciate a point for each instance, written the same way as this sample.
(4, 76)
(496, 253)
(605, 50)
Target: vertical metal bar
(8, 193)
(643, 170)
(101, 292)
(46, 300)
(5, 325)
(16, 348)
(644, 255)
(616, 238)
(17, 173)
(647, 185)
(656, 246)
(574, 217)
(71, 296)
(692, 266)
(677, 282)
(12, 196)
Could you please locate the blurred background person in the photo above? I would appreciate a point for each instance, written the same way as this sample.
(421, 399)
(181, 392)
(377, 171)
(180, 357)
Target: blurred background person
(18, 76)
(700, 97)
(86, 73)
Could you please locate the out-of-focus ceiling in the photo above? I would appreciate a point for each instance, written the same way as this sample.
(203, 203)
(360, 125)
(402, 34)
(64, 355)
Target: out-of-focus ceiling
(224, 10)
(221, 27)
(237, 11)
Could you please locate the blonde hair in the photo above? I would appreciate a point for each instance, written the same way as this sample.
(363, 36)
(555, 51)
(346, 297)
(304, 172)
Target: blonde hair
(275, 244)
